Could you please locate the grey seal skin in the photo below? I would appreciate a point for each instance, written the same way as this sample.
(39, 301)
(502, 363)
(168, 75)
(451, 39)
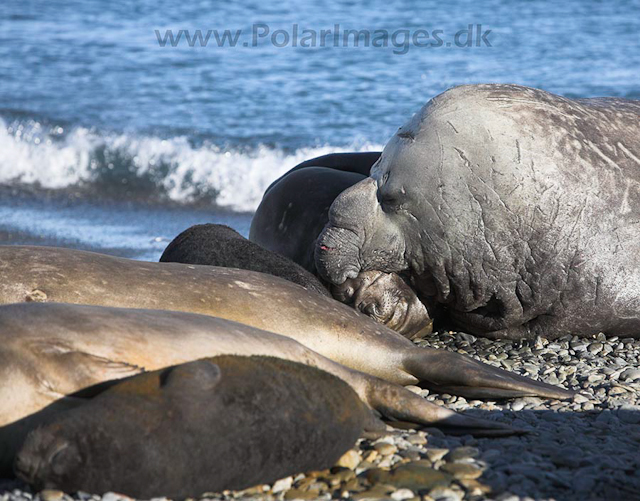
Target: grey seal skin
(219, 245)
(516, 209)
(294, 211)
(53, 356)
(222, 423)
(332, 329)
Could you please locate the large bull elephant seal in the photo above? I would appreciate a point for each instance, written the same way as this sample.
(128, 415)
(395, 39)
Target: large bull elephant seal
(46, 274)
(293, 213)
(54, 356)
(517, 209)
(222, 423)
(219, 245)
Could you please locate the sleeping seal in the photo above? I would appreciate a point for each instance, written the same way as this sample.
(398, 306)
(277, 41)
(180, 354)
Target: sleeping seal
(221, 423)
(50, 352)
(45, 274)
(515, 209)
(385, 298)
(294, 211)
(219, 245)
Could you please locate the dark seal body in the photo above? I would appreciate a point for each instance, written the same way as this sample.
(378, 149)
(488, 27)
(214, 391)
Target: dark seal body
(219, 245)
(294, 209)
(223, 423)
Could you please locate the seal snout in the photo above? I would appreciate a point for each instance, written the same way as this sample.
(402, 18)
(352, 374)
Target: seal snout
(26, 467)
(44, 454)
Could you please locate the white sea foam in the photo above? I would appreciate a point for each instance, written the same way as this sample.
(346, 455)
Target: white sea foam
(55, 159)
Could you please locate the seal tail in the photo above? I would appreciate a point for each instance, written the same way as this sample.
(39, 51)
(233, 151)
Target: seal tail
(448, 372)
(396, 403)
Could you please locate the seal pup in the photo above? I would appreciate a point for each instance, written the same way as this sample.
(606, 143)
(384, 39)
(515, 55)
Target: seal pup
(53, 356)
(514, 209)
(219, 245)
(220, 423)
(46, 274)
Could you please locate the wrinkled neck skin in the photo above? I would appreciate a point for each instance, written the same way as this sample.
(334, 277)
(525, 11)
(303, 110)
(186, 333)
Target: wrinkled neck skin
(492, 229)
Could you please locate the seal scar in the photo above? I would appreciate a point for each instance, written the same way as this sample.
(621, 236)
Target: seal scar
(36, 296)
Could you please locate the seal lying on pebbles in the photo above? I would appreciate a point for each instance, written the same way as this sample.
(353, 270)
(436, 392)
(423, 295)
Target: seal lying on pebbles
(50, 352)
(515, 209)
(219, 245)
(383, 297)
(222, 423)
(294, 211)
(326, 326)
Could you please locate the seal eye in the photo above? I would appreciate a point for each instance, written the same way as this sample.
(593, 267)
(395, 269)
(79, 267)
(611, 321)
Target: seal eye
(63, 459)
(390, 202)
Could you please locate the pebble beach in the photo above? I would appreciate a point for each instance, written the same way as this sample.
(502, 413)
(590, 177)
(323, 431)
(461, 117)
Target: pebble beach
(585, 448)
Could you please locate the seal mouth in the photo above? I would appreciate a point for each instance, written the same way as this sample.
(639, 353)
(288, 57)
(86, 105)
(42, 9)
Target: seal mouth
(26, 467)
(36, 457)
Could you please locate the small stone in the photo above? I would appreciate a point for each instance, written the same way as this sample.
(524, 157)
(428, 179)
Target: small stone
(569, 456)
(436, 454)
(282, 485)
(340, 475)
(518, 405)
(462, 453)
(410, 476)
(112, 496)
(36, 296)
(445, 494)
(580, 399)
(465, 337)
(402, 494)
(474, 487)
(595, 348)
(51, 495)
(371, 456)
(630, 375)
(349, 459)
(417, 439)
(462, 470)
(385, 449)
(376, 492)
(298, 494)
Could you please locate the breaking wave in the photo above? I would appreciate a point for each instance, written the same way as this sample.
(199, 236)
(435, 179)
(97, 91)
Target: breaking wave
(126, 166)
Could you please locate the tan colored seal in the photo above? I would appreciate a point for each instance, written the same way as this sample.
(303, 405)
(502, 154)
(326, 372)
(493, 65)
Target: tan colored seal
(326, 326)
(50, 352)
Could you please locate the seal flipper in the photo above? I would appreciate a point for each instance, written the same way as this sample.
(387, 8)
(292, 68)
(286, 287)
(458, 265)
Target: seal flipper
(202, 375)
(88, 369)
(399, 404)
(450, 372)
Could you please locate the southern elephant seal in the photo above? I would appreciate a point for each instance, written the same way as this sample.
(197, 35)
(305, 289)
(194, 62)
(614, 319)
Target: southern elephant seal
(219, 423)
(47, 274)
(219, 245)
(294, 211)
(516, 209)
(52, 356)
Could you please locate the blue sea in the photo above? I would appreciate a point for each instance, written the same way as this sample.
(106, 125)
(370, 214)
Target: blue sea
(114, 138)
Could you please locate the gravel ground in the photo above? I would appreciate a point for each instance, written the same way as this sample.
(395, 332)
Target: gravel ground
(588, 448)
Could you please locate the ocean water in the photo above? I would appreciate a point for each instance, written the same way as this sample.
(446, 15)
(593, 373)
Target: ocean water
(111, 141)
